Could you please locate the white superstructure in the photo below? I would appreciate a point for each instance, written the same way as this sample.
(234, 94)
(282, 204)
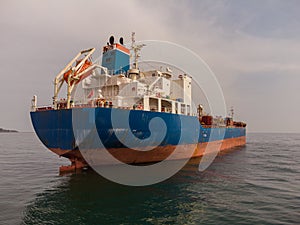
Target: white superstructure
(115, 84)
(148, 90)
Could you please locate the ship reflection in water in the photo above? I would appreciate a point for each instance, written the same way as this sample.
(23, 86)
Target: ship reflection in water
(90, 199)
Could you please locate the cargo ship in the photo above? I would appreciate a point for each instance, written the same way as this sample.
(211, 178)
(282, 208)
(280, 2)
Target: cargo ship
(117, 88)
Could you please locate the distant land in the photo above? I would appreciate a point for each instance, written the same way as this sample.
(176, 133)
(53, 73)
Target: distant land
(7, 131)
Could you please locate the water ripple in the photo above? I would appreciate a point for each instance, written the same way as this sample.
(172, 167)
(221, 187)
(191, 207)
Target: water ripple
(256, 184)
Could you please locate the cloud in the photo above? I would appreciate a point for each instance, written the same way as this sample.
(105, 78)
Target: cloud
(239, 40)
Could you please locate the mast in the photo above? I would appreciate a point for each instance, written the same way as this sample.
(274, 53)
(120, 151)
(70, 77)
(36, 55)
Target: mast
(136, 50)
(231, 112)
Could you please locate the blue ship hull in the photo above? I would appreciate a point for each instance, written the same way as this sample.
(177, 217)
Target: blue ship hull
(59, 130)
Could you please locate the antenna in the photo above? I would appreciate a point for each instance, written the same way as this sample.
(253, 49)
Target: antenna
(136, 50)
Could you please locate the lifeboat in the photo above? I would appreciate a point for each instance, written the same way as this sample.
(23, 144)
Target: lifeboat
(86, 65)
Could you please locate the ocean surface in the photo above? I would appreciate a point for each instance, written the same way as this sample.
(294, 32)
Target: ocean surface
(255, 184)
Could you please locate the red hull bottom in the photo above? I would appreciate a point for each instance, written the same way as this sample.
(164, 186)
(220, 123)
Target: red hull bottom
(130, 156)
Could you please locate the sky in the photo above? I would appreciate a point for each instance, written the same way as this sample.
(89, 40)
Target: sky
(253, 48)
